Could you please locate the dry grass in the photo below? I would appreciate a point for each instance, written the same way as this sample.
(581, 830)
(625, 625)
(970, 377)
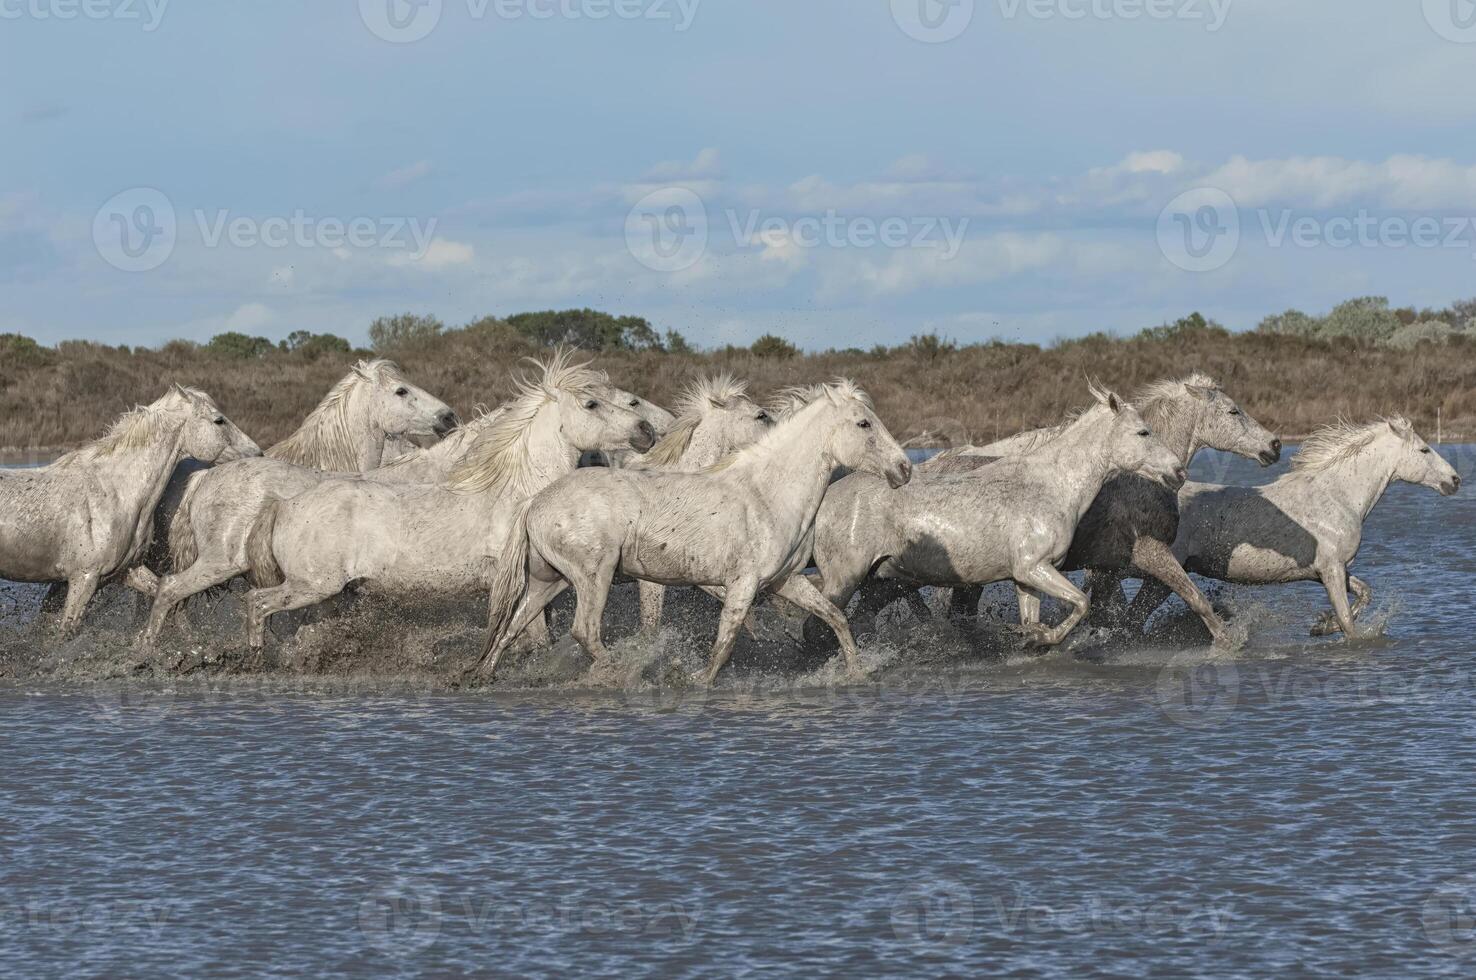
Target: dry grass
(1292, 385)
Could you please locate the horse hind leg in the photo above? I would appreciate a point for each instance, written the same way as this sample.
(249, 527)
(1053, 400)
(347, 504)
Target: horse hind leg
(80, 590)
(738, 599)
(1044, 577)
(176, 588)
(592, 590)
(802, 592)
(1152, 557)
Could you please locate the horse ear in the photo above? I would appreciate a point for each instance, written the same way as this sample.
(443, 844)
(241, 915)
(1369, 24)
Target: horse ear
(1114, 403)
(1200, 391)
(1401, 426)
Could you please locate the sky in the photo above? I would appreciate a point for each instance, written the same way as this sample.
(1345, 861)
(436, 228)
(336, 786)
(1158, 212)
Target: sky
(839, 172)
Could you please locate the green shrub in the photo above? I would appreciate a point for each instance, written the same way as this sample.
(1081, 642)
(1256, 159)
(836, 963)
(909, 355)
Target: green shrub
(770, 345)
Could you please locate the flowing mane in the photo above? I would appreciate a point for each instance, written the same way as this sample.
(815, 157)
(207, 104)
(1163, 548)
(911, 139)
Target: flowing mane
(325, 440)
(1173, 388)
(138, 428)
(1342, 440)
(843, 389)
(498, 461)
(718, 391)
(788, 401)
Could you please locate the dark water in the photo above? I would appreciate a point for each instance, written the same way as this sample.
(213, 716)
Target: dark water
(1299, 807)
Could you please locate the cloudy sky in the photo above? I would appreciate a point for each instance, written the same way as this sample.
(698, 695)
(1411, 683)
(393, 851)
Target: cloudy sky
(842, 172)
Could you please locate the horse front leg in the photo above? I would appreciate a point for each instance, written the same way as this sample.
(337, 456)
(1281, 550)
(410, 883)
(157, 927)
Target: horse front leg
(964, 601)
(592, 591)
(737, 600)
(653, 597)
(1335, 580)
(802, 592)
(1154, 558)
(1029, 601)
(262, 604)
(1043, 577)
(1104, 590)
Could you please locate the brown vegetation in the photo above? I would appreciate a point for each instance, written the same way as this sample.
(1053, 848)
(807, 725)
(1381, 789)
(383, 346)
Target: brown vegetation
(929, 391)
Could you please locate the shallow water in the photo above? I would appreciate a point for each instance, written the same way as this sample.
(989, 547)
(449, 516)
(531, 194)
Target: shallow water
(1300, 806)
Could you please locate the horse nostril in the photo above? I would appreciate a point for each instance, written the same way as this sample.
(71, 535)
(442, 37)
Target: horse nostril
(647, 430)
(1276, 445)
(1181, 474)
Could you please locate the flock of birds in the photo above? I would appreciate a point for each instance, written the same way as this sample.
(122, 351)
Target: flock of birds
(382, 487)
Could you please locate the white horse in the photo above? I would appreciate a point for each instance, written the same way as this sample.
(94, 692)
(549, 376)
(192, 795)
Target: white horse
(208, 528)
(87, 517)
(740, 526)
(1013, 519)
(407, 539)
(715, 417)
(1306, 525)
(1130, 527)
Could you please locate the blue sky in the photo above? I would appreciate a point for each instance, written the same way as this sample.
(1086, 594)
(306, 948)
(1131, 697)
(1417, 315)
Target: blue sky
(842, 172)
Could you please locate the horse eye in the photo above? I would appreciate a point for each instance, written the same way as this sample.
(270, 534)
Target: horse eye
(220, 421)
(864, 424)
(402, 392)
(591, 404)
(1234, 411)
(762, 416)
(1144, 433)
(634, 402)
(1426, 450)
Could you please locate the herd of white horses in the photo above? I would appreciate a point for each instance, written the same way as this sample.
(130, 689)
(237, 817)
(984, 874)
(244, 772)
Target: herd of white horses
(382, 487)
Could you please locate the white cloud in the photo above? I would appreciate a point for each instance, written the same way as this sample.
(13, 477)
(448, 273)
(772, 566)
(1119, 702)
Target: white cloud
(440, 254)
(405, 176)
(249, 317)
(707, 164)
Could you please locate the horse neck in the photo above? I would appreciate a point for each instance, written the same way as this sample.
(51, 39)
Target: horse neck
(549, 454)
(366, 436)
(707, 447)
(1176, 425)
(791, 469)
(138, 476)
(1075, 459)
(1361, 479)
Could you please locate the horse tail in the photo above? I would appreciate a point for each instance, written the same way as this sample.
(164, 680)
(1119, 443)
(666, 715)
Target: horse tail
(183, 549)
(509, 581)
(260, 561)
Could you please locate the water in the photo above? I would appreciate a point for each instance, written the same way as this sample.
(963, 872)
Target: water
(1300, 807)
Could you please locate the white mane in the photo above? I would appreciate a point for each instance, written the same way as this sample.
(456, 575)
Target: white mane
(842, 389)
(499, 461)
(325, 440)
(695, 401)
(139, 427)
(1342, 440)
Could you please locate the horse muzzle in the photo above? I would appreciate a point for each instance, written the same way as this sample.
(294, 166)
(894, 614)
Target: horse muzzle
(1271, 455)
(1176, 479)
(900, 475)
(644, 438)
(446, 423)
(1449, 487)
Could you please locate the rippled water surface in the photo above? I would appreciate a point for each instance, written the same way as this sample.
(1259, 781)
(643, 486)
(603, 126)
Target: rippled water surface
(1301, 806)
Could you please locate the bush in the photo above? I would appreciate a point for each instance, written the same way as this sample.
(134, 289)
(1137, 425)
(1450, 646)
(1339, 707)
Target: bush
(1366, 318)
(587, 329)
(677, 344)
(402, 332)
(1185, 328)
(1420, 332)
(17, 350)
(235, 344)
(770, 345)
(1292, 323)
(929, 347)
(311, 345)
